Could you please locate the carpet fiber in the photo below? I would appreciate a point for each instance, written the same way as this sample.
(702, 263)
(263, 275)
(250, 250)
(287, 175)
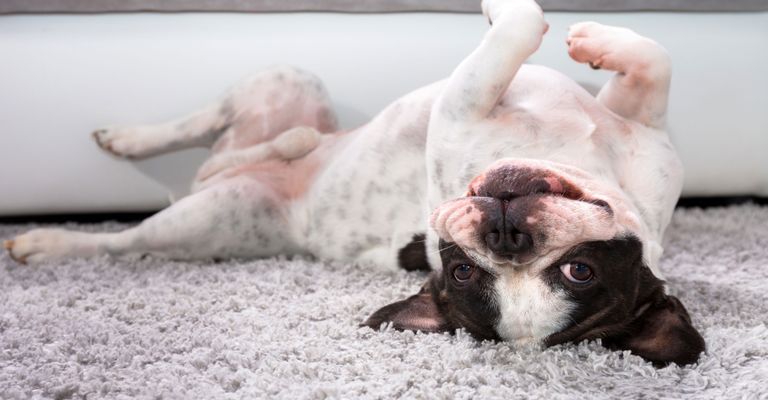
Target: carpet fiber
(282, 328)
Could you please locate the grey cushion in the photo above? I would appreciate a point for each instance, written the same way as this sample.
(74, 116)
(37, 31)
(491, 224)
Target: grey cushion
(97, 6)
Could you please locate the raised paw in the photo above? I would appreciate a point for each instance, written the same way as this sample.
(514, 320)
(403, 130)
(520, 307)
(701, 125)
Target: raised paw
(615, 49)
(42, 245)
(122, 143)
(522, 14)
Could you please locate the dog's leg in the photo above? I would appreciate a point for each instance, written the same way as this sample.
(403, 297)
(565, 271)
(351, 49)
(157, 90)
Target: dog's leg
(237, 218)
(474, 89)
(472, 92)
(199, 129)
(475, 86)
(289, 145)
(640, 88)
(254, 111)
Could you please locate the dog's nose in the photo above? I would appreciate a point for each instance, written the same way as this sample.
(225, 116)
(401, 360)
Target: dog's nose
(508, 243)
(505, 239)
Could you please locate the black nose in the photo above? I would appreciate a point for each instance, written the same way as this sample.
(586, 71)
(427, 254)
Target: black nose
(505, 239)
(508, 243)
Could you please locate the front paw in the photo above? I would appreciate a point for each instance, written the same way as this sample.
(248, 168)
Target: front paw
(617, 49)
(526, 10)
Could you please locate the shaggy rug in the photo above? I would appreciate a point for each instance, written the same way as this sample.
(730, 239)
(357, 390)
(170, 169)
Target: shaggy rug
(281, 328)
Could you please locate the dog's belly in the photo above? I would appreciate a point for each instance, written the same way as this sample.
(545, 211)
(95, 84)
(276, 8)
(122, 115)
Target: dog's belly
(369, 198)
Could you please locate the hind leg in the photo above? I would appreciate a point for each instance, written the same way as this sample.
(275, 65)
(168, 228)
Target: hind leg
(254, 111)
(289, 145)
(199, 129)
(237, 218)
(640, 88)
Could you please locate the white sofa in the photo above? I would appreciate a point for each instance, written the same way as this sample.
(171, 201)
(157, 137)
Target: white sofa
(63, 75)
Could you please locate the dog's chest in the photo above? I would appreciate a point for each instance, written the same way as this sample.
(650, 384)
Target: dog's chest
(371, 197)
(537, 120)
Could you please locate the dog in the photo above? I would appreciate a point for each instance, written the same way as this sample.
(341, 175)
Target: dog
(540, 207)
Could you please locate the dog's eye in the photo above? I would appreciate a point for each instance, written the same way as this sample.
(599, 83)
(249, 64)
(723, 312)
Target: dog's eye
(463, 272)
(577, 272)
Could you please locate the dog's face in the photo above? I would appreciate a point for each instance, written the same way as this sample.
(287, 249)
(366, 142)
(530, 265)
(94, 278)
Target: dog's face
(544, 253)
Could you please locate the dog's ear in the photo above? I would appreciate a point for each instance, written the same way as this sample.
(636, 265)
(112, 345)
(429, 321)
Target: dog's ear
(661, 334)
(419, 312)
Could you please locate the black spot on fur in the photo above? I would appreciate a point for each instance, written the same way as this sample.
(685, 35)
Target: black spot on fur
(413, 257)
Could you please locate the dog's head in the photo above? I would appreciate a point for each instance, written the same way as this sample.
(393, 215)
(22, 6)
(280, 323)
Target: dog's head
(544, 253)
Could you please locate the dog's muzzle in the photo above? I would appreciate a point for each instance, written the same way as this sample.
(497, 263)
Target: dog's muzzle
(516, 210)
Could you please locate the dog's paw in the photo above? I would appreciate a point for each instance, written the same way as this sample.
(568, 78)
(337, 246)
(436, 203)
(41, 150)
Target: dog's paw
(518, 22)
(525, 13)
(613, 48)
(43, 245)
(296, 142)
(123, 143)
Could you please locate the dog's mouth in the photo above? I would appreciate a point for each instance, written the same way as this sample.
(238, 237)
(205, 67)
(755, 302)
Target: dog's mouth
(508, 182)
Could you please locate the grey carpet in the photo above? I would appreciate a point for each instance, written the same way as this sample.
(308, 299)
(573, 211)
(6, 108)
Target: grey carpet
(288, 329)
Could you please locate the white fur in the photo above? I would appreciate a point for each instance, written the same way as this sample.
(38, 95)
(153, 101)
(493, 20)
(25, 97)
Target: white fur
(529, 309)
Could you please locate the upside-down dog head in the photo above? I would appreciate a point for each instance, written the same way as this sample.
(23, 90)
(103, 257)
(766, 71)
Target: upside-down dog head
(538, 252)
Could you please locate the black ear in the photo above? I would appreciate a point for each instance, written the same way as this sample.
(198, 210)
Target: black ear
(419, 312)
(662, 334)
